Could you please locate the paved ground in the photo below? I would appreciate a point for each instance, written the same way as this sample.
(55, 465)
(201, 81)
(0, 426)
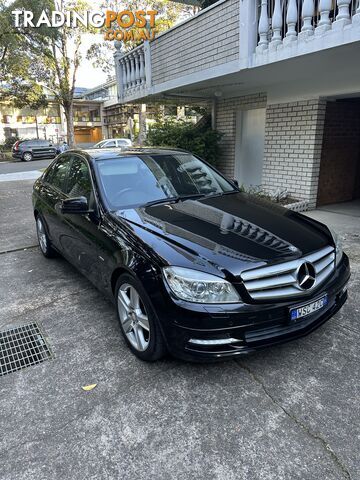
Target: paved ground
(19, 166)
(291, 412)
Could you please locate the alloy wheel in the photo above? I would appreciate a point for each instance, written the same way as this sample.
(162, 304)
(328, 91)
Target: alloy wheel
(41, 235)
(27, 157)
(133, 317)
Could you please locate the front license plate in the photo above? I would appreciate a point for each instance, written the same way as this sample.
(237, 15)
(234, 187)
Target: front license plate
(308, 308)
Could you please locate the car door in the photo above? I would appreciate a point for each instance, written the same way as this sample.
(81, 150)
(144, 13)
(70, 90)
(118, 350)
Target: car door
(52, 194)
(80, 235)
(42, 149)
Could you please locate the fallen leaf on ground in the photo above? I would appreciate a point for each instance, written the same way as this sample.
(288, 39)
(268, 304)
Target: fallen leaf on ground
(88, 388)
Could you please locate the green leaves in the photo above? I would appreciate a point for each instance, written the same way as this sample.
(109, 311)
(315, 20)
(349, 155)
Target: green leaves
(201, 140)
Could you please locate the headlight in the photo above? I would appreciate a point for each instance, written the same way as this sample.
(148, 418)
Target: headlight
(199, 287)
(338, 246)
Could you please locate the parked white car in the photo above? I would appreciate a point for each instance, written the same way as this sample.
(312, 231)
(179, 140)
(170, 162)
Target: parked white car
(113, 143)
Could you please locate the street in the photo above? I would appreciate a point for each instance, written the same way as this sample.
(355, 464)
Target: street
(289, 412)
(19, 166)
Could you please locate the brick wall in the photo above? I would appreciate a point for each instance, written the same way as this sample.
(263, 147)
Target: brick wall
(340, 160)
(226, 124)
(210, 39)
(293, 143)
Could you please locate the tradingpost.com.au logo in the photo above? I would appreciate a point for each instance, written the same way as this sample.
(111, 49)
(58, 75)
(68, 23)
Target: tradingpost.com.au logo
(124, 26)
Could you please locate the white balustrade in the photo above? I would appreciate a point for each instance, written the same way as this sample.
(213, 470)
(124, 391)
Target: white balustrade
(263, 26)
(356, 17)
(128, 73)
(307, 16)
(325, 7)
(142, 67)
(302, 18)
(124, 73)
(277, 24)
(344, 11)
(137, 71)
(132, 71)
(291, 20)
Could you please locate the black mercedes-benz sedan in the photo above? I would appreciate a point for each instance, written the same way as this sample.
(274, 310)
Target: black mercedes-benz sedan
(195, 267)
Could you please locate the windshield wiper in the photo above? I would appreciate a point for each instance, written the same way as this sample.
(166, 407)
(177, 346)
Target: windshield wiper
(220, 194)
(176, 199)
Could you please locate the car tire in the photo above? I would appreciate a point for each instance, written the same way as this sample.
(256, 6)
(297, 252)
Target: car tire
(138, 322)
(27, 156)
(44, 242)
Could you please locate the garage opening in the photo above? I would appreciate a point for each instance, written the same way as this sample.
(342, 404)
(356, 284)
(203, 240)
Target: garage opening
(339, 179)
(87, 135)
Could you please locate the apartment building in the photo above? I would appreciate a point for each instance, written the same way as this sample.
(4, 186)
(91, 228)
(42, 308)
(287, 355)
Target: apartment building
(49, 122)
(283, 80)
(122, 119)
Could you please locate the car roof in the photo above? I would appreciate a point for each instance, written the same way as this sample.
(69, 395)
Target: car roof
(111, 153)
(33, 140)
(114, 139)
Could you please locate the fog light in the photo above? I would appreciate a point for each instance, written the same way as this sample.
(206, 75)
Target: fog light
(218, 341)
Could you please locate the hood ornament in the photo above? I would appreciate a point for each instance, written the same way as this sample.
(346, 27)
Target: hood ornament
(306, 276)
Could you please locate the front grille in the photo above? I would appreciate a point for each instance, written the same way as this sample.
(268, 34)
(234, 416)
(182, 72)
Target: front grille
(280, 281)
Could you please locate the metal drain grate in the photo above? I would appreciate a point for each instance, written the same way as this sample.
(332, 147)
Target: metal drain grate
(22, 347)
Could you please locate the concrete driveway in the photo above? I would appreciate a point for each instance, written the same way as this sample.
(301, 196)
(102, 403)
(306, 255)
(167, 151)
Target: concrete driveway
(290, 412)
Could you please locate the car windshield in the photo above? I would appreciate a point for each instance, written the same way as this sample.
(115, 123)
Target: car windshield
(133, 181)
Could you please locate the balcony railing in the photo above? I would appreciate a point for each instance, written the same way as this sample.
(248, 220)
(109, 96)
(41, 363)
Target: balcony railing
(230, 36)
(282, 22)
(207, 41)
(132, 76)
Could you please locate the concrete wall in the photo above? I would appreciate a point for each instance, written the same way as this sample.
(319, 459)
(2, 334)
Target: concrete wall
(207, 40)
(293, 143)
(340, 159)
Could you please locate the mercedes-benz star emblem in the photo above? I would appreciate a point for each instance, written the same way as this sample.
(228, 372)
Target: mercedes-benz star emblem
(306, 276)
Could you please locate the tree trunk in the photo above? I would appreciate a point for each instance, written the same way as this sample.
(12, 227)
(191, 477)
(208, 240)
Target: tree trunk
(142, 124)
(69, 115)
(37, 127)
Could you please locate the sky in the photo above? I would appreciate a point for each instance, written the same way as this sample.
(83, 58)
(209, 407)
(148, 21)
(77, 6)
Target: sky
(88, 76)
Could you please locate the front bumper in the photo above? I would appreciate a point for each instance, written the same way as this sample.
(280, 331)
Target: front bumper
(250, 327)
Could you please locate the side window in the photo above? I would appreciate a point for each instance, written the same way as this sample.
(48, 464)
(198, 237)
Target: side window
(79, 184)
(110, 144)
(58, 174)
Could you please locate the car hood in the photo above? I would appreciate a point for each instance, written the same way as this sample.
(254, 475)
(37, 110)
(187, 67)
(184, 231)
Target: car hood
(232, 232)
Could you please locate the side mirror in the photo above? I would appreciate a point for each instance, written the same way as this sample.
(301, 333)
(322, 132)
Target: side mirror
(73, 206)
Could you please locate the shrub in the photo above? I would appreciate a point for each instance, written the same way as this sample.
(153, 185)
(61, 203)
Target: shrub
(199, 140)
(9, 142)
